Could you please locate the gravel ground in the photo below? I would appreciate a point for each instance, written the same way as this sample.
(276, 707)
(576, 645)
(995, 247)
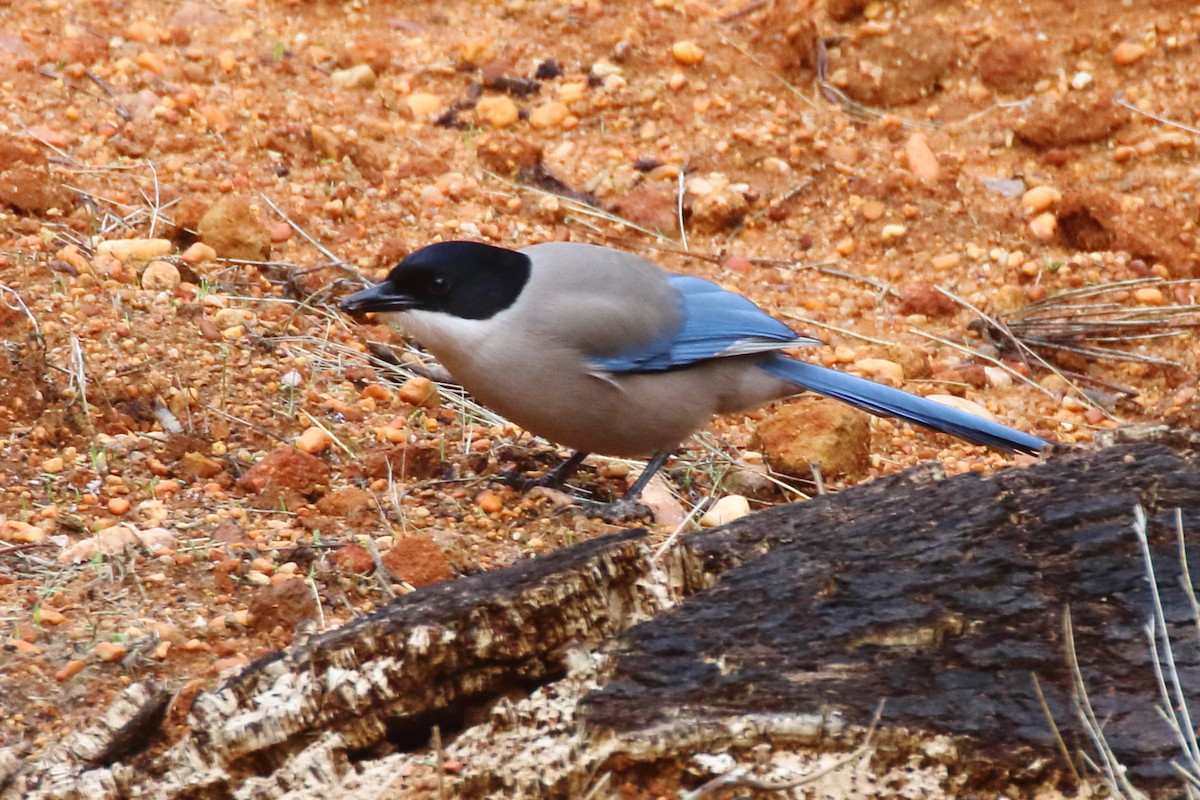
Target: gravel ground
(187, 189)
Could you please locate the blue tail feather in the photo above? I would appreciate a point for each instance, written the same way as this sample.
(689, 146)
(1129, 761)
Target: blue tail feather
(888, 402)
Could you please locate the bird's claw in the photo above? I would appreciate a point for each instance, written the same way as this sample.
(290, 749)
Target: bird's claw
(616, 512)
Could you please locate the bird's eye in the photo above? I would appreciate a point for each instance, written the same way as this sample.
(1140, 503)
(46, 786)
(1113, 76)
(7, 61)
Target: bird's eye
(439, 284)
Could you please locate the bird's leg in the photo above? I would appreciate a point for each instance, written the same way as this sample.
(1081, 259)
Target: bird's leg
(627, 508)
(554, 479)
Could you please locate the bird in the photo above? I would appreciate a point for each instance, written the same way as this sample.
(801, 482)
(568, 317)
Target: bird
(602, 351)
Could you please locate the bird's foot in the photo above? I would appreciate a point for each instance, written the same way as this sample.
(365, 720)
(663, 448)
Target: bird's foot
(626, 509)
(554, 479)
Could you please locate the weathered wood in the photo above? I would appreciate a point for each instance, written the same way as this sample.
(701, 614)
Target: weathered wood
(945, 601)
(942, 597)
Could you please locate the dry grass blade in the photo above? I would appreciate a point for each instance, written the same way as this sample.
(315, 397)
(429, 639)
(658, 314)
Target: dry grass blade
(1025, 352)
(575, 205)
(1119, 99)
(1110, 768)
(853, 108)
(1082, 321)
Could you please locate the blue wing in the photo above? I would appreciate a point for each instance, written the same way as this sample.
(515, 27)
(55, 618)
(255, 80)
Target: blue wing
(715, 324)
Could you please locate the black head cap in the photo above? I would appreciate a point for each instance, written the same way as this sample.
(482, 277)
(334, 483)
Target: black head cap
(464, 279)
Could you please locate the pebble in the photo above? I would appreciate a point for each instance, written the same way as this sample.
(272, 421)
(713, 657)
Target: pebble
(922, 163)
(872, 210)
(962, 404)
(18, 532)
(423, 105)
(161, 276)
(111, 651)
(1043, 226)
(156, 540)
(725, 511)
(892, 231)
(118, 505)
(125, 250)
(499, 112)
(314, 440)
(548, 115)
(50, 616)
(997, 377)
(420, 392)
(71, 254)
(572, 92)
(1149, 296)
(881, 368)
(53, 465)
(1127, 53)
(946, 261)
(1040, 198)
(115, 539)
(687, 53)
(198, 253)
(360, 76)
(1009, 187)
(488, 502)
(70, 670)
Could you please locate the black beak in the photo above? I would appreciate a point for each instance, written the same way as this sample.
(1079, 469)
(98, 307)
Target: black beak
(379, 297)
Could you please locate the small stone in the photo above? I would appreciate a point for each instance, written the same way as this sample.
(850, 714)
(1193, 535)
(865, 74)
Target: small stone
(1149, 296)
(417, 560)
(687, 53)
(50, 616)
(548, 115)
(353, 558)
(360, 76)
(946, 261)
(115, 539)
(141, 31)
(1008, 298)
(325, 141)
(881, 368)
(725, 511)
(159, 276)
(926, 300)
(872, 210)
(19, 532)
(151, 62)
(118, 505)
(420, 392)
(962, 404)
(572, 92)
(111, 651)
(892, 231)
(71, 254)
(488, 502)
(1043, 226)
(423, 105)
(314, 440)
(70, 670)
(816, 430)
(922, 163)
(1081, 80)
(53, 465)
(156, 540)
(198, 253)
(499, 112)
(997, 377)
(1127, 53)
(137, 250)
(1040, 198)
